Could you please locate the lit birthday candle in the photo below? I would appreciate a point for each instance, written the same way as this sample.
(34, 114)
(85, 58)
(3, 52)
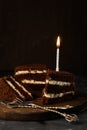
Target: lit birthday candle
(57, 53)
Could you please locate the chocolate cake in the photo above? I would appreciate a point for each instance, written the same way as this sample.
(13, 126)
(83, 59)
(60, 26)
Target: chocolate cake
(32, 77)
(32, 81)
(60, 86)
(10, 89)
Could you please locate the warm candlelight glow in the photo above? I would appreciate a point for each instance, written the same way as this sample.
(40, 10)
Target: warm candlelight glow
(58, 42)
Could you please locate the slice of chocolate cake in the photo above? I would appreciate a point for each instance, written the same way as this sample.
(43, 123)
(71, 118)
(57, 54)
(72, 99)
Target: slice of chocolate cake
(60, 86)
(11, 89)
(32, 77)
(6, 92)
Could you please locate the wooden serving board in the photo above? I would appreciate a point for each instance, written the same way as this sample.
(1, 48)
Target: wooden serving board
(76, 105)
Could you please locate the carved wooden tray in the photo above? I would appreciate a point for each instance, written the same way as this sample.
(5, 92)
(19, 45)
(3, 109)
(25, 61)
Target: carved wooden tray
(76, 105)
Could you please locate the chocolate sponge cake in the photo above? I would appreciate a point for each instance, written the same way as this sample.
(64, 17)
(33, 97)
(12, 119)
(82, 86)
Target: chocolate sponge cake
(59, 86)
(32, 81)
(32, 77)
(11, 89)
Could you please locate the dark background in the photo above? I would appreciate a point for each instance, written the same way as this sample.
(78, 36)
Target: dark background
(28, 32)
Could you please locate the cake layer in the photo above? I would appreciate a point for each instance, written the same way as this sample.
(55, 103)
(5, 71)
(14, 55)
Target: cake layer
(37, 77)
(27, 68)
(66, 97)
(34, 88)
(61, 76)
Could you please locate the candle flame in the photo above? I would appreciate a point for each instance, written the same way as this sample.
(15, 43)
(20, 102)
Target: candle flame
(58, 42)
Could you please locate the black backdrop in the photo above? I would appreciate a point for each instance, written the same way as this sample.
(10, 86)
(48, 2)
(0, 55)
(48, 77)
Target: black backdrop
(28, 32)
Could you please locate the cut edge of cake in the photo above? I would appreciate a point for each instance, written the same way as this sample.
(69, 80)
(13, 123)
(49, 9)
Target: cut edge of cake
(65, 83)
